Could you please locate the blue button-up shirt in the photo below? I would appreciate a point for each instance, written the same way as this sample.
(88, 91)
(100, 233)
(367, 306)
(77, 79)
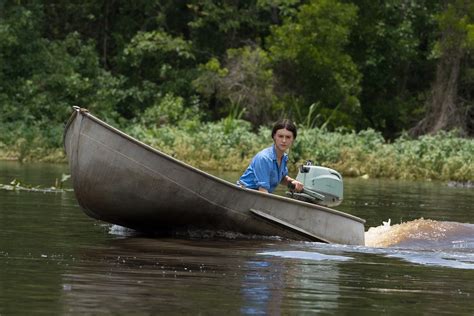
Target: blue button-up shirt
(264, 172)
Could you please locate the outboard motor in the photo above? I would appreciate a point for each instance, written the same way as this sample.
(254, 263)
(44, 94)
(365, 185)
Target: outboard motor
(322, 185)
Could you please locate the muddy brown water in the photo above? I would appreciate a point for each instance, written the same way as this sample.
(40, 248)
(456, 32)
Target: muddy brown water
(418, 258)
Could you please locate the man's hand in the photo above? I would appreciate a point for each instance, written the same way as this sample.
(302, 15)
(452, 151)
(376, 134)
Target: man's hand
(293, 184)
(298, 185)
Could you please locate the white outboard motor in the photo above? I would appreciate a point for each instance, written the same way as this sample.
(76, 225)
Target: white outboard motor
(322, 185)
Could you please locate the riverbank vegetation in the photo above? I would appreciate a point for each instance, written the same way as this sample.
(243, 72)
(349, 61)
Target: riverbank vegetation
(230, 143)
(382, 89)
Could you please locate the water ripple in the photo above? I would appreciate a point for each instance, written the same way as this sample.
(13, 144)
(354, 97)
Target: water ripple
(315, 256)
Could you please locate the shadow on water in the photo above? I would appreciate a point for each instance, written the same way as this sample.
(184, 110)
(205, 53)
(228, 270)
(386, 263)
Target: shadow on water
(170, 275)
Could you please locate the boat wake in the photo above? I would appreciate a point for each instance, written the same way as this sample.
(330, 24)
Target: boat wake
(425, 242)
(422, 234)
(422, 242)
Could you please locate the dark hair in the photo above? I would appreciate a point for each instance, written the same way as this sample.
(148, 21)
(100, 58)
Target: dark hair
(284, 124)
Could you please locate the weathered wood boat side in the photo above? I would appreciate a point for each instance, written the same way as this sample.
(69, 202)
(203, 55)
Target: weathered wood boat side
(120, 180)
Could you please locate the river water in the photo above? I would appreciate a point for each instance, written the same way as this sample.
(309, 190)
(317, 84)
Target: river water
(56, 260)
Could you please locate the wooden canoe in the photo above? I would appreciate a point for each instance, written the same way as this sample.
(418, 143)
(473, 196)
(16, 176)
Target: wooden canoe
(120, 180)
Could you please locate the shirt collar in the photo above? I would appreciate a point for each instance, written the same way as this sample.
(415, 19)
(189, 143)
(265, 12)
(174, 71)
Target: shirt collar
(274, 154)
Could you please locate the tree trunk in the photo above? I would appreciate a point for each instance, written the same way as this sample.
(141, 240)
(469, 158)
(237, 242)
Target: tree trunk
(443, 111)
(444, 108)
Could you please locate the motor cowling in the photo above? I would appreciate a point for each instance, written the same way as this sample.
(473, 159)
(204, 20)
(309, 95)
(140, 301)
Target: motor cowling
(322, 185)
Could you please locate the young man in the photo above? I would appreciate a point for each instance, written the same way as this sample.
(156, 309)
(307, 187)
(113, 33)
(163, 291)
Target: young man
(269, 167)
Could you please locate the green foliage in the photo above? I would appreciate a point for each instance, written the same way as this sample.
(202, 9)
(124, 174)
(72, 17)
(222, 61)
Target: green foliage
(158, 57)
(233, 119)
(286, 8)
(160, 122)
(444, 156)
(457, 21)
(314, 115)
(440, 156)
(390, 44)
(158, 45)
(169, 71)
(156, 64)
(50, 76)
(311, 62)
(217, 26)
(229, 144)
(245, 81)
(169, 110)
(39, 141)
(208, 145)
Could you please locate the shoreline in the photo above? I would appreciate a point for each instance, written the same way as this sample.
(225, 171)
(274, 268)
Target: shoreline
(468, 184)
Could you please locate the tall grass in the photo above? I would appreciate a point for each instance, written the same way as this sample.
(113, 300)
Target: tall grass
(230, 144)
(35, 142)
(214, 146)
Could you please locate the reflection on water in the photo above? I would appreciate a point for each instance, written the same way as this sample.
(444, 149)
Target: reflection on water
(56, 260)
(261, 289)
(158, 276)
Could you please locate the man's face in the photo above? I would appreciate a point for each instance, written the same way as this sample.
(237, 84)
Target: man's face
(283, 139)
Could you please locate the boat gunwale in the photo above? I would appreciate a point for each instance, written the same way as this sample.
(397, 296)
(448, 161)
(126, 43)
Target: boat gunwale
(85, 112)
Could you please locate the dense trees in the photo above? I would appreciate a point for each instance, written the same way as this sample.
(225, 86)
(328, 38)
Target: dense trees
(388, 65)
(450, 102)
(313, 66)
(391, 45)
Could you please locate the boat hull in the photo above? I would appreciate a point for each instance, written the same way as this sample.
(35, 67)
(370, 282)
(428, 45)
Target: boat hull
(118, 179)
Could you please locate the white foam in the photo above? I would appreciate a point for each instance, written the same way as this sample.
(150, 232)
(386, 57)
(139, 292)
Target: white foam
(315, 256)
(121, 231)
(416, 233)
